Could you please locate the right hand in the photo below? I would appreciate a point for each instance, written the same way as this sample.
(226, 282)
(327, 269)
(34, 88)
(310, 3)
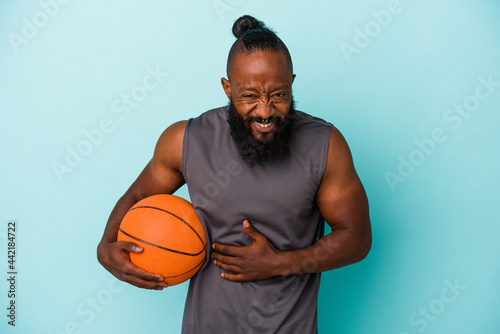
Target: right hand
(115, 258)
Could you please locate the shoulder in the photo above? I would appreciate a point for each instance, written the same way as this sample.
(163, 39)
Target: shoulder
(173, 134)
(303, 119)
(310, 132)
(339, 169)
(325, 137)
(338, 149)
(168, 150)
(212, 116)
(337, 145)
(310, 128)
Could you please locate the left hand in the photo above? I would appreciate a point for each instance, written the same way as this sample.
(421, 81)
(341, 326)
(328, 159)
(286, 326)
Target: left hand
(258, 261)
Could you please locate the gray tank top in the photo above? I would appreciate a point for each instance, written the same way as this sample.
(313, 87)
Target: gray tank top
(279, 201)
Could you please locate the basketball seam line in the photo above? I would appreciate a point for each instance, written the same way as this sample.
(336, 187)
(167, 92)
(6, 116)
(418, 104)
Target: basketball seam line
(199, 263)
(170, 213)
(161, 247)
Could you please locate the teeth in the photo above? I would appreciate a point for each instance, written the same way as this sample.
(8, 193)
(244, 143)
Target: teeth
(265, 125)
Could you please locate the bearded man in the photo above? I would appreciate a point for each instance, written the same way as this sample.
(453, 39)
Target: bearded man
(263, 178)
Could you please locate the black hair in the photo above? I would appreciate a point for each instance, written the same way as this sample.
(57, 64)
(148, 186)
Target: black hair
(254, 151)
(253, 35)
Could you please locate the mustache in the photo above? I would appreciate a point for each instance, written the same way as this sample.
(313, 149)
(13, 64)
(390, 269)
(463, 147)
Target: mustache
(259, 119)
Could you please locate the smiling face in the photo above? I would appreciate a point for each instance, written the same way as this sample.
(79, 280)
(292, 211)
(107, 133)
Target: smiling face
(260, 89)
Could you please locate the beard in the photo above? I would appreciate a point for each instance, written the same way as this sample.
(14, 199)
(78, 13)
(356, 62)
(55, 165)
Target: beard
(254, 151)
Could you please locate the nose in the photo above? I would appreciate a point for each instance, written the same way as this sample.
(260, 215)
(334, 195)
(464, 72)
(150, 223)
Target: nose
(264, 109)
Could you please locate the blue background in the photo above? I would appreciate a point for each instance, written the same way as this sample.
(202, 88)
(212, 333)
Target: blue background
(388, 82)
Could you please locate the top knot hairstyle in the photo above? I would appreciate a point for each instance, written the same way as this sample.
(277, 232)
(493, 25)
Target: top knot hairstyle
(253, 35)
(245, 24)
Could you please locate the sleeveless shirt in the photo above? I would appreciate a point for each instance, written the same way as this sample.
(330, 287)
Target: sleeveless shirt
(278, 198)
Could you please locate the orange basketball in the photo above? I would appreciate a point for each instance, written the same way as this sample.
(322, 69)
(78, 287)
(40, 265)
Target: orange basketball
(171, 234)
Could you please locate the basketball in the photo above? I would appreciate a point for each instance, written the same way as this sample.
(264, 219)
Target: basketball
(172, 236)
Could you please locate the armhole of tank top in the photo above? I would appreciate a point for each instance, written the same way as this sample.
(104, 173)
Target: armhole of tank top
(185, 150)
(324, 158)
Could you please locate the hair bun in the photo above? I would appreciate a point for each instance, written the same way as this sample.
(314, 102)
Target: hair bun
(246, 23)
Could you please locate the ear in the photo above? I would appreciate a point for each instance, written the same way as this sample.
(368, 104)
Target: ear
(293, 77)
(226, 85)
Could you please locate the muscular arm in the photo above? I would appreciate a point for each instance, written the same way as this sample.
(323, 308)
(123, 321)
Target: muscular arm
(343, 204)
(162, 175)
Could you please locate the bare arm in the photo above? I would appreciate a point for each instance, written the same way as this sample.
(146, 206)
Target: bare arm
(162, 175)
(343, 204)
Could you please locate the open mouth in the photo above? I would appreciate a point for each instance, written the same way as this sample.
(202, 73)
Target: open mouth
(264, 127)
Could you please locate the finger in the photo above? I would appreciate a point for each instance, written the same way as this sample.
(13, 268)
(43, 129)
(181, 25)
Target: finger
(132, 270)
(234, 277)
(127, 267)
(251, 231)
(152, 285)
(129, 246)
(227, 249)
(138, 282)
(142, 278)
(227, 267)
(227, 260)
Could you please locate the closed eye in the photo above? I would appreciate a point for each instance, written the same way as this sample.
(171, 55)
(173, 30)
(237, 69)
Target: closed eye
(278, 97)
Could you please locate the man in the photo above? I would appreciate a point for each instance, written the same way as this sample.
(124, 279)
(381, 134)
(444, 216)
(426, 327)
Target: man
(263, 177)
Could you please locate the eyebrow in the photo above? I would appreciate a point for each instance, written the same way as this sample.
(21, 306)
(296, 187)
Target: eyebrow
(254, 90)
(247, 89)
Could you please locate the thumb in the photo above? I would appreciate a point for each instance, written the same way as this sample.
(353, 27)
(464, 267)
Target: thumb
(131, 247)
(250, 231)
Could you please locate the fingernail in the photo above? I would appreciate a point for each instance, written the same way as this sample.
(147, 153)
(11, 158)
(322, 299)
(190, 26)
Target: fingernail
(246, 223)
